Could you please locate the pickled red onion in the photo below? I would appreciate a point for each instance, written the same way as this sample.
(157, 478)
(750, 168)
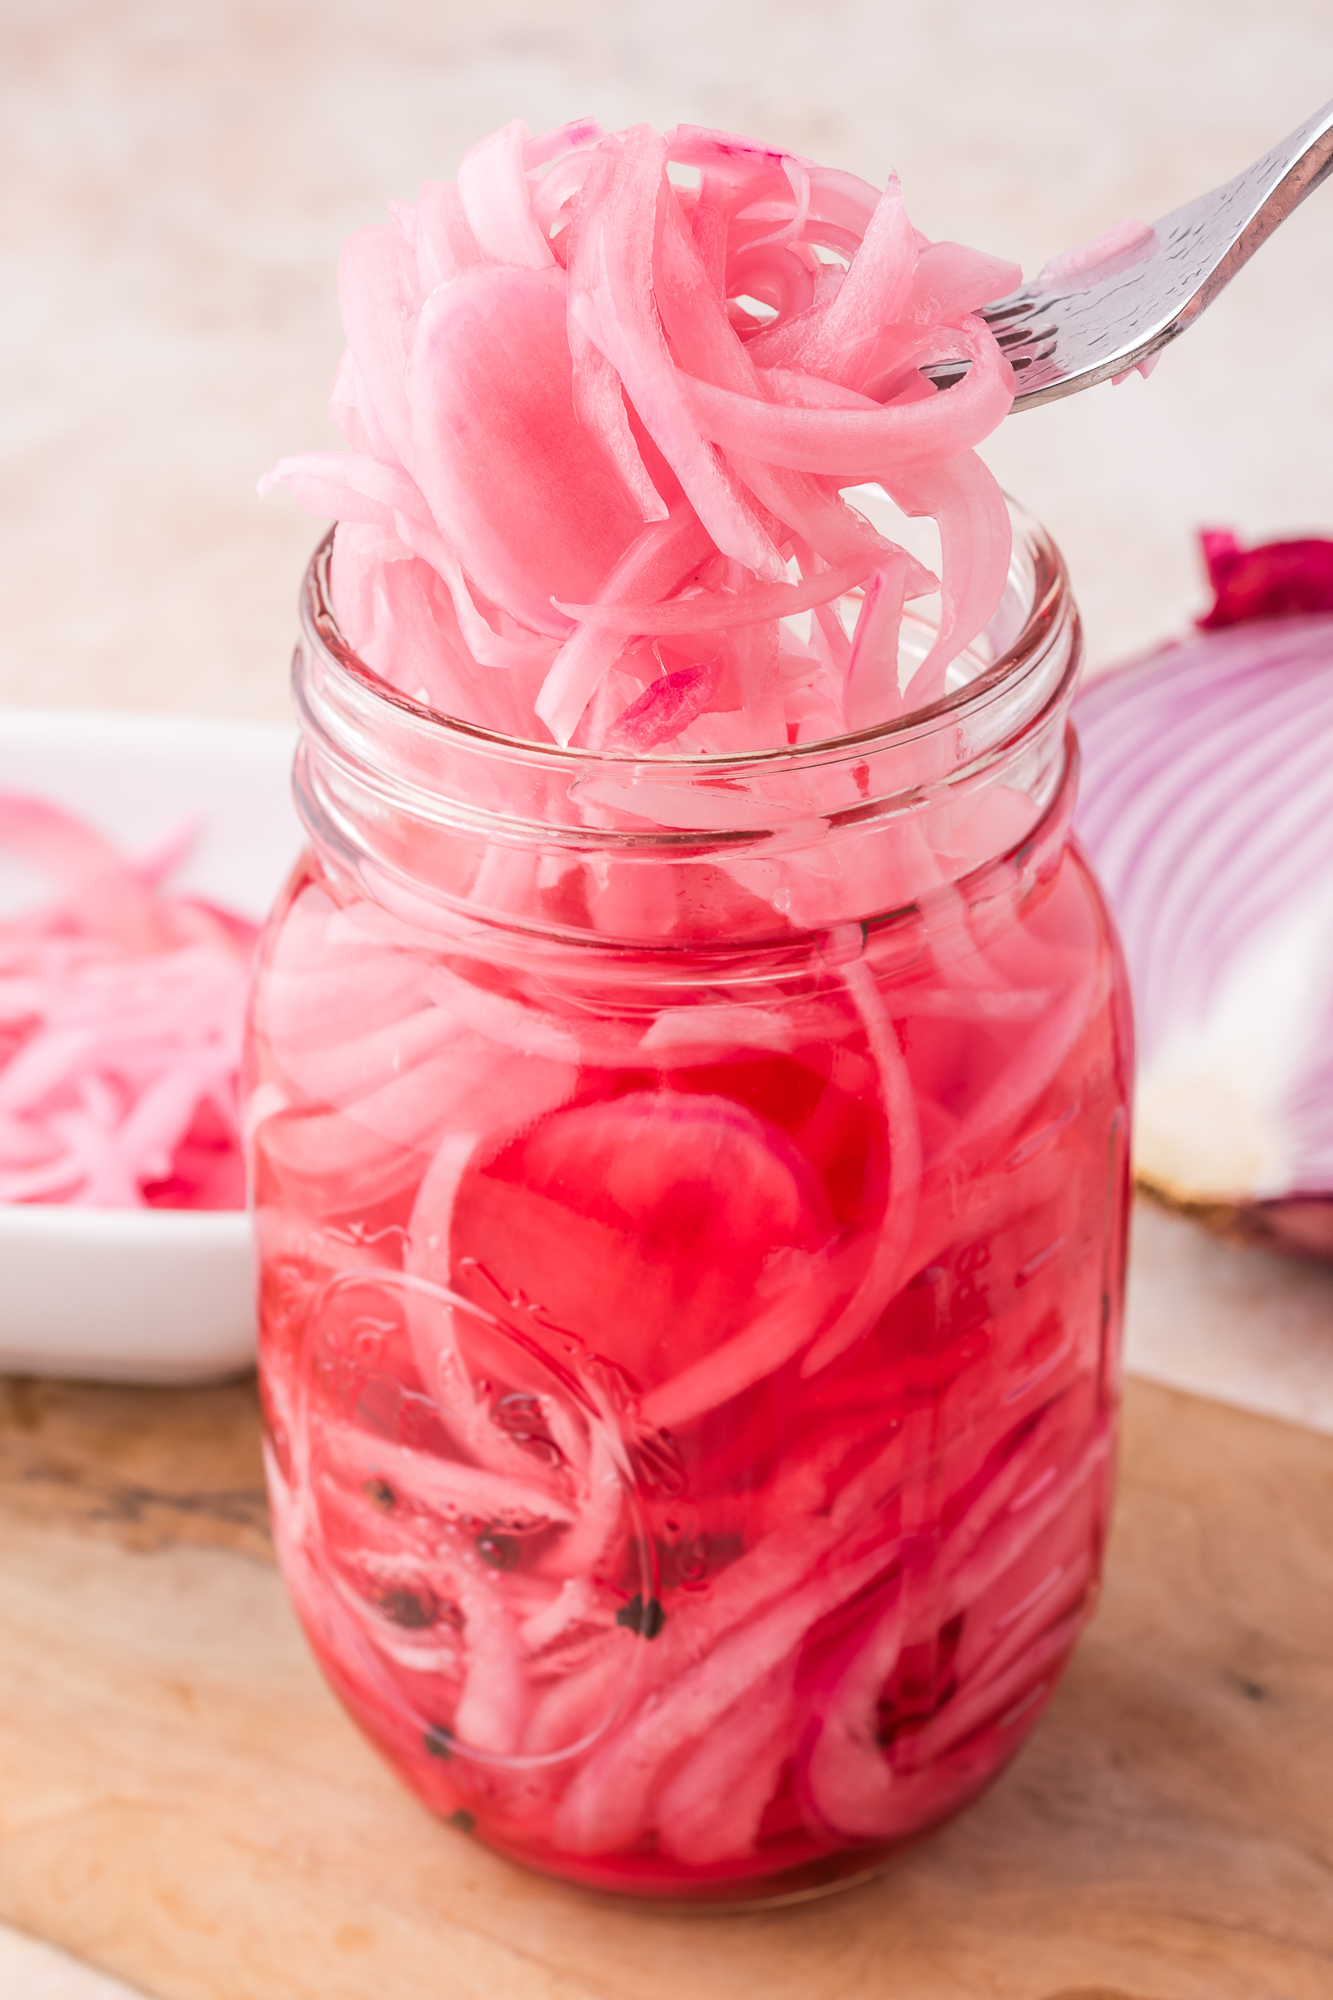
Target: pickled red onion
(530, 512)
(596, 403)
(120, 1025)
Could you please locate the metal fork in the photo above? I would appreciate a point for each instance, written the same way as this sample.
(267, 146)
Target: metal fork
(1068, 335)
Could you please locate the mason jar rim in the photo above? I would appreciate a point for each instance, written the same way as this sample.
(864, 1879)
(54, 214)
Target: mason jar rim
(1021, 659)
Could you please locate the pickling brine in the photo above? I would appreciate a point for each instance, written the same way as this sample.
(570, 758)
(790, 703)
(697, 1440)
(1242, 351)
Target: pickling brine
(691, 1208)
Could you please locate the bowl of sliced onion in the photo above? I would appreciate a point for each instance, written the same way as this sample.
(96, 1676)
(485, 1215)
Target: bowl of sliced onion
(138, 857)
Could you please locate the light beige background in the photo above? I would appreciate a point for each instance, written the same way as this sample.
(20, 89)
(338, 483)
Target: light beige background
(176, 177)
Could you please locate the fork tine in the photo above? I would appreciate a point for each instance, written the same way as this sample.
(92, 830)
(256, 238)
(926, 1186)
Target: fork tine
(1069, 336)
(1104, 329)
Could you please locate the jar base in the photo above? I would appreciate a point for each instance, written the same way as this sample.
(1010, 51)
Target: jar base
(809, 1882)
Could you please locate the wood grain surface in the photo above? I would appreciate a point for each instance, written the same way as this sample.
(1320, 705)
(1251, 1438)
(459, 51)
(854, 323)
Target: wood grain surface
(184, 1804)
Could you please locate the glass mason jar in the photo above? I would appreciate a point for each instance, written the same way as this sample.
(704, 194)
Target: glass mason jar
(691, 1206)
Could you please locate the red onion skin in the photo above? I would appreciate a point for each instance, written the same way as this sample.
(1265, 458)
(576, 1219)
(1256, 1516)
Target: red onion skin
(120, 1024)
(1275, 580)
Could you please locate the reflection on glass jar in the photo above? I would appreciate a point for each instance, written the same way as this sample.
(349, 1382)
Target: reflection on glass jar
(691, 1205)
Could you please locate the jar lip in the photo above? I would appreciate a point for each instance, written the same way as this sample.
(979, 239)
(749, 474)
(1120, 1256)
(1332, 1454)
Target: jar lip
(1023, 656)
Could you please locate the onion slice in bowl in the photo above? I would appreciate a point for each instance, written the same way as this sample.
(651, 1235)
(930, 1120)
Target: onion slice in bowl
(120, 1024)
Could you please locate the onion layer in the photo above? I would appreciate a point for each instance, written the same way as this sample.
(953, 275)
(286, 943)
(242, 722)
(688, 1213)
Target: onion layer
(121, 1011)
(1207, 805)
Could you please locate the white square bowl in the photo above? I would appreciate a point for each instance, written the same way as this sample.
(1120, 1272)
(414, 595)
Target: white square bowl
(144, 1295)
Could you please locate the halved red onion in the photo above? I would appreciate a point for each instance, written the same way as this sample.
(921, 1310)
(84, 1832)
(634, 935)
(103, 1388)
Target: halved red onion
(1207, 807)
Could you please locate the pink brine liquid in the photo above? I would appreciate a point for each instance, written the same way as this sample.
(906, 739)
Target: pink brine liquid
(690, 1373)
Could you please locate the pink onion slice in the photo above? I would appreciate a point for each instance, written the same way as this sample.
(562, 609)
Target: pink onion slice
(601, 362)
(379, 291)
(976, 538)
(512, 477)
(664, 708)
(120, 1026)
(493, 190)
(872, 694)
(952, 281)
(659, 559)
(711, 611)
(864, 444)
(604, 1213)
(599, 405)
(1123, 244)
(705, 344)
(445, 243)
(611, 276)
(845, 333)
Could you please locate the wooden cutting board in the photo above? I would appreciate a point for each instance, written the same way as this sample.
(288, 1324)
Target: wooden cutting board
(182, 1803)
